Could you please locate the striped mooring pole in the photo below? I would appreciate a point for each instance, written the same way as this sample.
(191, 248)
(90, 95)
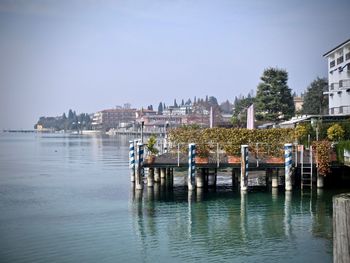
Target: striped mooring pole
(288, 166)
(139, 169)
(191, 166)
(244, 167)
(132, 160)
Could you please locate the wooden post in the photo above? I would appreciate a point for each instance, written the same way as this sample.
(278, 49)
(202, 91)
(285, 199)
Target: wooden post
(157, 175)
(132, 160)
(212, 178)
(244, 167)
(288, 166)
(172, 177)
(320, 180)
(150, 177)
(162, 173)
(191, 166)
(341, 228)
(168, 177)
(200, 178)
(274, 177)
(139, 173)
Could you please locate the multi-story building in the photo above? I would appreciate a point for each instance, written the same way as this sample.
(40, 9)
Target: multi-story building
(174, 111)
(339, 79)
(113, 118)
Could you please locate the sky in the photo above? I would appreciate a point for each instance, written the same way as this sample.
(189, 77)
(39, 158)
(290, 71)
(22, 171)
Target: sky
(90, 55)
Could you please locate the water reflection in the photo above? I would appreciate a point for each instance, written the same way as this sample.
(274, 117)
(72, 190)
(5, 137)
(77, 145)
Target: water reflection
(229, 223)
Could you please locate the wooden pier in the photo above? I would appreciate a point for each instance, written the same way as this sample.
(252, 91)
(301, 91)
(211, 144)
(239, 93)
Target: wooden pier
(204, 175)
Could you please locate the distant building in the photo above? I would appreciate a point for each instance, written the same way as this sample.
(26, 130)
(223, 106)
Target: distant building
(113, 118)
(339, 79)
(174, 111)
(298, 103)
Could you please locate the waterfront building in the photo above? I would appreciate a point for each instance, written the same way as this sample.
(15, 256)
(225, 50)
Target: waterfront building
(339, 79)
(113, 118)
(175, 111)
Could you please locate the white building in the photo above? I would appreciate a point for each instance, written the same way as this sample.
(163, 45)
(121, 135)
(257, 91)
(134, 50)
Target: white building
(178, 111)
(339, 79)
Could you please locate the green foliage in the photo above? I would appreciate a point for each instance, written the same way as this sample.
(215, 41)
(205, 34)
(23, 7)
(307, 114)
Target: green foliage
(270, 141)
(340, 146)
(335, 132)
(239, 117)
(301, 132)
(314, 100)
(323, 149)
(274, 99)
(73, 122)
(152, 141)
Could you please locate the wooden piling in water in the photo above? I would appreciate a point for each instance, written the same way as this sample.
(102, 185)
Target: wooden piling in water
(157, 175)
(139, 167)
(244, 167)
(274, 177)
(288, 166)
(200, 178)
(162, 173)
(150, 177)
(212, 178)
(341, 228)
(191, 166)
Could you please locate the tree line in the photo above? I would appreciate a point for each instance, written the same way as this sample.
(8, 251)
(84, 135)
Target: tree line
(74, 121)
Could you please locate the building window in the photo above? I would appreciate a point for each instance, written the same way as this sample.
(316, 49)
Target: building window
(332, 110)
(332, 63)
(332, 86)
(340, 60)
(340, 83)
(341, 109)
(347, 56)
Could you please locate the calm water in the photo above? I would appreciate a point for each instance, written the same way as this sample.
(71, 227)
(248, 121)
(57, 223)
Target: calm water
(69, 199)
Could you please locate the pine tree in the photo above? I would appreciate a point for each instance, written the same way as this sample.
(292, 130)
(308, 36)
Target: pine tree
(175, 104)
(274, 99)
(160, 108)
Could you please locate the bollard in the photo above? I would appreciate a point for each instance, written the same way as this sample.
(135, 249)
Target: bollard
(162, 173)
(191, 166)
(244, 168)
(157, 175)
(150, 177)
(274, 178)
(341, 228)
(212, 178)
(132, 160)
(200, 178)
(288, 166)
(139, 173)
(320, 180)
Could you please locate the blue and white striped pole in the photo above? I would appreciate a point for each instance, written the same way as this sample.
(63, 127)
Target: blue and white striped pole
(191, 166)
(244, 167)
(132, 160)
(139, 173)
(288, 166)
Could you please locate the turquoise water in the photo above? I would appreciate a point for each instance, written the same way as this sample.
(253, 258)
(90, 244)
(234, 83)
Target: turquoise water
(69, 199)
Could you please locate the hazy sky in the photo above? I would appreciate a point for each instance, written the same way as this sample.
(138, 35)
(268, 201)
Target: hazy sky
(91, 55)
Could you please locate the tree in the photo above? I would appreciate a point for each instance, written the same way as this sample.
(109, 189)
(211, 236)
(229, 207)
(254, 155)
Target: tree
(160, 108)
(175, 104)
(274, 99)
(226, 107)
(182, 102)
(314, 100)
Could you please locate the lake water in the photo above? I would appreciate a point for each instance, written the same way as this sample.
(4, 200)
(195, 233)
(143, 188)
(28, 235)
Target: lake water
(69, 199)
